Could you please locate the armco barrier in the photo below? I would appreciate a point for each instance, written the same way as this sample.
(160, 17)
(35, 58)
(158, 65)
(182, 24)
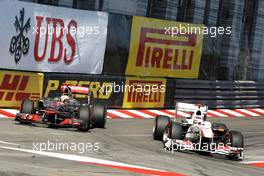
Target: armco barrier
(220, 94)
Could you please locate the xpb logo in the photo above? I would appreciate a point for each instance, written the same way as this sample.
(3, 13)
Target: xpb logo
(19, 44)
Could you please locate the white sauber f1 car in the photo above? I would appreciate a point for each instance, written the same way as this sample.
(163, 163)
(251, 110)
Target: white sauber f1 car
(197, 134)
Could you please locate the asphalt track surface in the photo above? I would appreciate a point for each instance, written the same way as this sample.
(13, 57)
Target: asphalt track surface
(125, 141)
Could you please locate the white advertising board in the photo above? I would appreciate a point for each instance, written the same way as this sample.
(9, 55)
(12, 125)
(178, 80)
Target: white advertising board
(45, 38)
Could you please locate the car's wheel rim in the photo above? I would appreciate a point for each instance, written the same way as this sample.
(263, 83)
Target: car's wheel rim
(154, 127)
(165, 136)
(105, 114)
(228, 139)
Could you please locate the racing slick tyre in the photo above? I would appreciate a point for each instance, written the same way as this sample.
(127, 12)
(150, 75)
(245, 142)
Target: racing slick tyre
(172, 131)
(175, 131)
(99, 116)
(27, 106)
(84, 115)
(159, 126)
(236, 139)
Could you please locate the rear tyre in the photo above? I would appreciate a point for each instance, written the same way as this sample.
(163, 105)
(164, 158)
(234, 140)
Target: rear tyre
(99, 116)
(160, 124)
(84, 115)
(27, 106)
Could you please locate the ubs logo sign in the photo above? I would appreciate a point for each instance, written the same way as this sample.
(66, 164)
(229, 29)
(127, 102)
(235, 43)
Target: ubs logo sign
(19, 44)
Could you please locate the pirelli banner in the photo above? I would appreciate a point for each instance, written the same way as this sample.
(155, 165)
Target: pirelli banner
(160, 48)
(105, 89)
(144, 92)
(16, 86)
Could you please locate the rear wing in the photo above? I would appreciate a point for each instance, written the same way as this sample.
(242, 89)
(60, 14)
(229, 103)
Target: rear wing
(187, 107)
(75, 89)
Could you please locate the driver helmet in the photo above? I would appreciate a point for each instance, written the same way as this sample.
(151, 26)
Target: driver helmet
(64, 98)
(198, 117)
(67, 91)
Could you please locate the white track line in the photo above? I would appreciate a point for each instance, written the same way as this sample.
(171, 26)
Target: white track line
(78, 158)
(9, 143)
(251, 162)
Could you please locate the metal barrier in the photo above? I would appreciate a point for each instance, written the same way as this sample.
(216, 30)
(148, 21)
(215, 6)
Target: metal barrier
(220, 94)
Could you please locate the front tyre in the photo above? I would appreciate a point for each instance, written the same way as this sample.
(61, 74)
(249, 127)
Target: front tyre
(84, 115)
(176, 131)
(236, 139)
(159, 126)
(172, 131)
(99, 116)
(27, 106)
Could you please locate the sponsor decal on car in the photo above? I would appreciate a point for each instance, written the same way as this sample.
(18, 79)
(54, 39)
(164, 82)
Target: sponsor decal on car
(155, 52)
(17, 86)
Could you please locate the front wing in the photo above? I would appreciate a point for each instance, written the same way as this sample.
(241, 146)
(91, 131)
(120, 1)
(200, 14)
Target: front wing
(37, 118)
(182, 145)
